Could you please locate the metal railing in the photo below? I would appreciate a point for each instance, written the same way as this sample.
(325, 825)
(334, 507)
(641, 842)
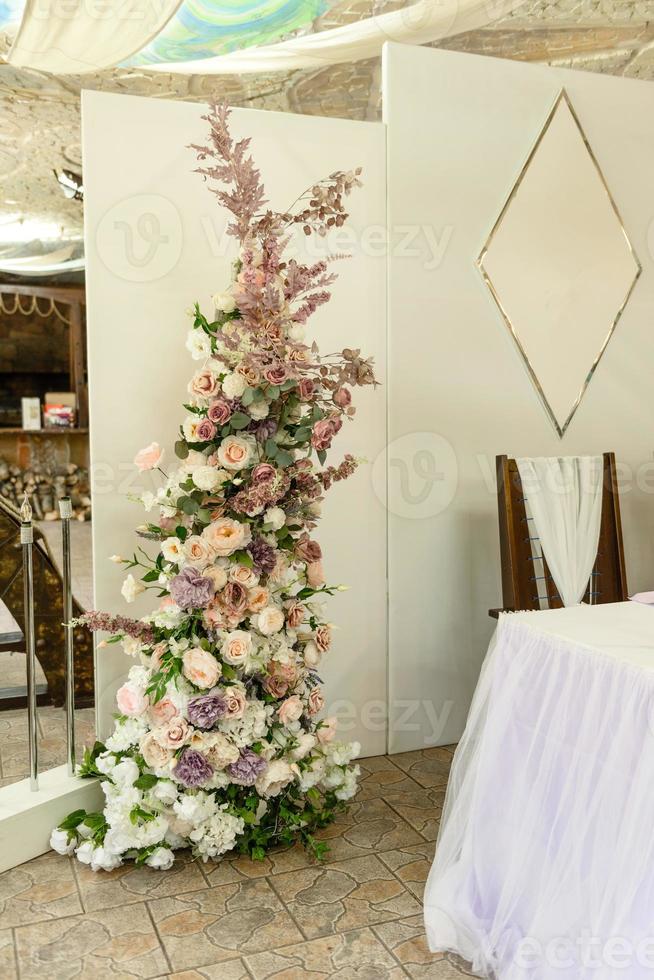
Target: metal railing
(27, 542)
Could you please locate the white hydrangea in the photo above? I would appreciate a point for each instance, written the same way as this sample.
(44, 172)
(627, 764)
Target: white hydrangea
(165, 791)
(342, 753)
(348, 787)
(251, 727)
(127, 733)
(194, 808)
(125, 773)
(314, 773)
(217, 836)
(168, 617)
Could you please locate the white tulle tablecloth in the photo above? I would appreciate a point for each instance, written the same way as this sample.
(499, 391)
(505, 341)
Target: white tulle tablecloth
(544, 867)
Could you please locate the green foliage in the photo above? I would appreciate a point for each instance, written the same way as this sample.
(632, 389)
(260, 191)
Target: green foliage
(88, 768)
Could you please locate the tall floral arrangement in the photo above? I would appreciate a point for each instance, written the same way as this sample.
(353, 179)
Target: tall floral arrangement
(219, 742)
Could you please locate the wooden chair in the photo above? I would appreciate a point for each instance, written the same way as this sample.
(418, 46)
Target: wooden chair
(48, 617)
(526, 579)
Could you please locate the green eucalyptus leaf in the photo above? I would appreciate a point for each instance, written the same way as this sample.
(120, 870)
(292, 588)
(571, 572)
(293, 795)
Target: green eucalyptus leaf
(239, 420)
(181, 449)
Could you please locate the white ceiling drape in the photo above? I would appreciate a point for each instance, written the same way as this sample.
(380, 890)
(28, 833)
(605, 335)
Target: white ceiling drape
(78, 36)
(425, 21)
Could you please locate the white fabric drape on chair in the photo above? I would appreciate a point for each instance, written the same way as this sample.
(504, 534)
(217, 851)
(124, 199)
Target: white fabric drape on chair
(564, 494)
(80, 36)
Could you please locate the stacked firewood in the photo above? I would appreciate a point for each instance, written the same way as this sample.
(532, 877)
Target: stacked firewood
(45, 488)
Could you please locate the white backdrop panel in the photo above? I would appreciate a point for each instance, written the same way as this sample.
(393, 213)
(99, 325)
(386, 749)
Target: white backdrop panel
(155, 243)
(459, 130)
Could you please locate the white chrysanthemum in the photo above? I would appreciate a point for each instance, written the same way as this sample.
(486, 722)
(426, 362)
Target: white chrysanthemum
(234, 385)
(199, 344)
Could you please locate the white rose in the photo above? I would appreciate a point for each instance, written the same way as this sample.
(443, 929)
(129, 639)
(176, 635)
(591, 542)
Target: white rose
(224, 302)
(270, 620)
(236, 648)
(276, 517)
(162, 859)
(104, 860)
(278, 775)
(59, 842)
(199, 344)
(234, 385)
(258, 409)
(172, 549)
(189, 428)
(131, 588)
(207, 477)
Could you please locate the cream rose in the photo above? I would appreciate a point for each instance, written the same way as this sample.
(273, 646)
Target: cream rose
(236, 648)
(275, 517)
(258, 598)
(200, 667)
(270, 620)
(235, 452)
(218, 576)
(243, 575)
(235, 701)
(175, 734)
(290, 710)
(278, 775)
(198, 551)
(203, 383)
(224, 302)
(155, 755)
(225, 536)
(162, 711)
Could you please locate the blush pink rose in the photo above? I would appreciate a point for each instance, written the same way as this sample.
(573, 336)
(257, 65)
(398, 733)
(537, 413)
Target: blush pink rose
(131, 700)
(276, 375)
(295, 615)
(322, 435)
(308, 550)
(280, 678)
(290, 710)
(323, 638)
(305, 389)
(200, 667)
(205, 431)
(315, 575)
(204, 383)
(315, 702)
(219, 411)
(327, 731)
(263, 473)
(149, 458)
(162, 711)
(342, 397)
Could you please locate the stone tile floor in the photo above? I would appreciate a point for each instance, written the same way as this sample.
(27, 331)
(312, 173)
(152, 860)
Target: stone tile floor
(358, 915)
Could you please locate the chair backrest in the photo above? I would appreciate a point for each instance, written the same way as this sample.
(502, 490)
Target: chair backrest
(526, 579)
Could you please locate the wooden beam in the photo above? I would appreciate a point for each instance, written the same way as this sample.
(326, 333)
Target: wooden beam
(60, 294)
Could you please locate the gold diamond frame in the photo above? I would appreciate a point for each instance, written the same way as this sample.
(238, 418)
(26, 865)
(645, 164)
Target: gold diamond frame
(561, 430)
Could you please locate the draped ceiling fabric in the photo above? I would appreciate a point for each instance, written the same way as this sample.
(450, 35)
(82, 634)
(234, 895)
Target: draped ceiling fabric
(428, 20)
(72, 39)
(77, 36)
(564, 495)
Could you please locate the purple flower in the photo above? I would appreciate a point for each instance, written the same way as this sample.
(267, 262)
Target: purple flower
(192, 769)
(264, 430)
(246, 768)
(205, 710)
(263, 556)
(190, 589)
